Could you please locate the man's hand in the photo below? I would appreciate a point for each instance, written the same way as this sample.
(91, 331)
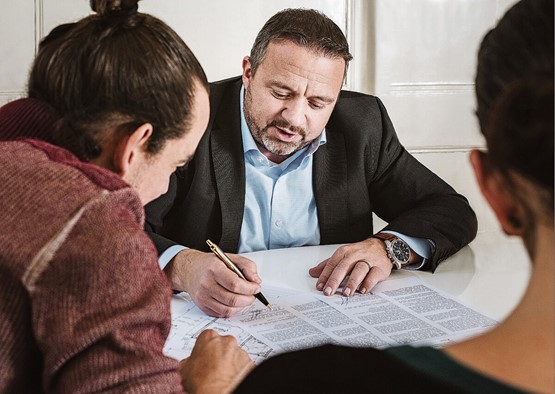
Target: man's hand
(365, 263)
(216, 365)
(213, 287)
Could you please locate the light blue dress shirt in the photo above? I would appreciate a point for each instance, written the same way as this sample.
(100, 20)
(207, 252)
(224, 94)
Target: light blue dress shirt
(280, 210)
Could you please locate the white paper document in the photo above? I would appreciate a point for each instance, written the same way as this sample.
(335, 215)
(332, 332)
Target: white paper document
(398, 311)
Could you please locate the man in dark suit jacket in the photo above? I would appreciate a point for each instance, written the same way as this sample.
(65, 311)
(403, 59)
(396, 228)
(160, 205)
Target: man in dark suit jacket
(284, 141)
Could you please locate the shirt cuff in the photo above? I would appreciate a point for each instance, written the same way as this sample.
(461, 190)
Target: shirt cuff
(421, 246)
(169, 254)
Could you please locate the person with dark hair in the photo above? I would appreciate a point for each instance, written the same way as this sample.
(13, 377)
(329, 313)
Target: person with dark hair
(514, 88)
(84, 306)
(289, 159)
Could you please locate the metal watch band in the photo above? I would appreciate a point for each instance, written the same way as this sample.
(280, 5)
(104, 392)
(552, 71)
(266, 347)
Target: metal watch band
(413, 259)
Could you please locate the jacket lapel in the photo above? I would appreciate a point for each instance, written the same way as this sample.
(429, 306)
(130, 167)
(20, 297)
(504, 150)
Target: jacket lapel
(329, 180)
(226, 147)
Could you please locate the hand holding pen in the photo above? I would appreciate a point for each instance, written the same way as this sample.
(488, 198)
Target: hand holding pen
(227, 261)
(213, 287)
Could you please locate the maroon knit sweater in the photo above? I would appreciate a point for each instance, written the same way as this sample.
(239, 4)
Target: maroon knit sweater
(27, 117)
(84, 306)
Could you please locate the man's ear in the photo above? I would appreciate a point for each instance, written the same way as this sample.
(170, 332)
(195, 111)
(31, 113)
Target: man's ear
(131, 149)
(506, 207)
(247, 71)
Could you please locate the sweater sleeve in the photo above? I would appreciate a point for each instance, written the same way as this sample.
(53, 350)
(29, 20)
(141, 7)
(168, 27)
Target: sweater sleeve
(101, 306)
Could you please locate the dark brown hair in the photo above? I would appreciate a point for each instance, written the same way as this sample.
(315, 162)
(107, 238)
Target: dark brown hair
(115, 70)
(308, 28)
(514, 88)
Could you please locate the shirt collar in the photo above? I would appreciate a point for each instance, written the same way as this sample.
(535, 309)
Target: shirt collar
(248, 141)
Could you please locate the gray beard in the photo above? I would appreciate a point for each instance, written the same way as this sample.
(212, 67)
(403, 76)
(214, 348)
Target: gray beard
(277, 147)
(260, 135)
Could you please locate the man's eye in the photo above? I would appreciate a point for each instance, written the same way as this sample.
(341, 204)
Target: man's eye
(278, 95)
(316, 105)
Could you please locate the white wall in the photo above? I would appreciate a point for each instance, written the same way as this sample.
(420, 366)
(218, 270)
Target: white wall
(424, 61)
(418, 56)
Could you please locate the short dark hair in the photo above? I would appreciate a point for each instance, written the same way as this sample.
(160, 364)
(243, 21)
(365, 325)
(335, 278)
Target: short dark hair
(305, 27)
(514, 89)
(116, 69)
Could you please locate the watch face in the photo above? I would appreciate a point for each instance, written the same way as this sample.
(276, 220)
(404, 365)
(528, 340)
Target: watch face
(401, 251)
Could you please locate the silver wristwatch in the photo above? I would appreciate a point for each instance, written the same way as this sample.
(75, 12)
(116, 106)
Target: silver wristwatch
(398, 251)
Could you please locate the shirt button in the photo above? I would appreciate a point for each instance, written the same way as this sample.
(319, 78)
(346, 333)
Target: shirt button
(279, 223)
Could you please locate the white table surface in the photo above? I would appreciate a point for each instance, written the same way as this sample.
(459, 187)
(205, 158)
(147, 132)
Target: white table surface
(489, 275)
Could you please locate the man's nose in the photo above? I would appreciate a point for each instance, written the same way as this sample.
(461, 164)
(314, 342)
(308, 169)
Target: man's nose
(295, 112)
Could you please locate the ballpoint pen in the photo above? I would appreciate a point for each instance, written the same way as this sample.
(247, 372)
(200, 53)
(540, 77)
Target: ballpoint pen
(226, 260)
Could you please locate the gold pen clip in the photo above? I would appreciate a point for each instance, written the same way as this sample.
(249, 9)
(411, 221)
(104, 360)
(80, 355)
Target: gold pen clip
(222, 256)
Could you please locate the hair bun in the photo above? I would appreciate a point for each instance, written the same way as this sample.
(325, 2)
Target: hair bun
(115, 7)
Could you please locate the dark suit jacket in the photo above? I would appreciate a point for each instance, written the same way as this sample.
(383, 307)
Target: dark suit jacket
(361, 169)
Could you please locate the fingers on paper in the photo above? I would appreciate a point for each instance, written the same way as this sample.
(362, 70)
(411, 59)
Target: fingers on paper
(376, 275)
(207, 335)
(215, 300)
(361, 270)
(356, 263)
(216, 364)
(247, 266)
(336, 269)
(217, 309)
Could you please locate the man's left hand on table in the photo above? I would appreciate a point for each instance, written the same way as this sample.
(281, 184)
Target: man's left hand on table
(365, 263)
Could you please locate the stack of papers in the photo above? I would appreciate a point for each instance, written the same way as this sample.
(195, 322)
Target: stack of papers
(398, 311)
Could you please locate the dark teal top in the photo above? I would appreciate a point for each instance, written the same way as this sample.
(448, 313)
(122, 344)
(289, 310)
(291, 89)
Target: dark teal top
(342, 369)
(436, 363)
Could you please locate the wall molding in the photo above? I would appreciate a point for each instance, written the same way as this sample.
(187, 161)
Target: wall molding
(431, 87)
(39, 23)
(443, 149)
(360, 33)
(350, 34)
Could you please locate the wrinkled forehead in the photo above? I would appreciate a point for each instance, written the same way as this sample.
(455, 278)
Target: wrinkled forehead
(292, 63)
(313, 50)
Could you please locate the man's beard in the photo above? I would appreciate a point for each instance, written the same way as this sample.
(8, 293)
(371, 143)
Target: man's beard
(261, 136)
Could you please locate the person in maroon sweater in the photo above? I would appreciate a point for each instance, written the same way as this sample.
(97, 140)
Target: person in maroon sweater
(84, 306)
